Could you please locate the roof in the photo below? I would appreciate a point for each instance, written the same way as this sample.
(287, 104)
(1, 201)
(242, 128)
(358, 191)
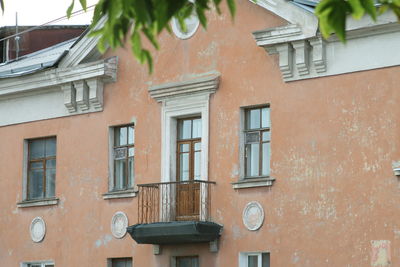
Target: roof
(36, 61)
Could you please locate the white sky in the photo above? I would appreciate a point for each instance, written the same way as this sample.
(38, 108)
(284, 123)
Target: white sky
(37, 12)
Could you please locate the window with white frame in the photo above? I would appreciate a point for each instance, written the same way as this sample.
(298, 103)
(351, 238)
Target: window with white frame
(121, 162)
(254, 259)
(123, 157)
(255, 147)
(257, 137)
(38, 264)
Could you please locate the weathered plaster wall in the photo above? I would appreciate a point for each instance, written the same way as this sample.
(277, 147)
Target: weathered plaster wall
(333, 143)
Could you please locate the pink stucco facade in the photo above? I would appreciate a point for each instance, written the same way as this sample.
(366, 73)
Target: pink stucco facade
(333, 142)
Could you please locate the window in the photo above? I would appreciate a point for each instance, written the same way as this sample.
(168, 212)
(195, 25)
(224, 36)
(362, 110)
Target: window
(120, 262)
(186, 261)
(254, 259)
(41, 168)
(123, 153)
(38, 264)
(257, 142)
(189, 149)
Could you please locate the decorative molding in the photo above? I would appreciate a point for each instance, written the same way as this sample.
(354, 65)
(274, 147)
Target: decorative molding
(306, 21)
(82, 95)
(318, 54)
(120, 194)
(37, 229)
(38, 203)
(278, 35)
(95, 93)
(119, 223)
(206, 84)
(253, 182)
(253, 216)
(15, 87)
(85, 49)
(69, 97)
(285, 52)
(302, 56)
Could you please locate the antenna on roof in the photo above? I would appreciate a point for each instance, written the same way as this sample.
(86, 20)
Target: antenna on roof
(17, 37)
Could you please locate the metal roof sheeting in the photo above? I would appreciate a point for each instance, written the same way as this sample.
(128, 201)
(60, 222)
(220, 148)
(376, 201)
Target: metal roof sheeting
(36, 61)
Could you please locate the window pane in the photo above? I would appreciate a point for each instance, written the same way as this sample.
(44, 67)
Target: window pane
(196, 128)
(36, 149)
(120, 170)
(35, 184)
(184, 167)
(266, 136)
(131, 171)
(265, 118)
(265, 260)
(185, 129)
(124, 262)
(187, 261)
(50, 163)
(265, 158)
(131, 152)
(197, 146)
(184, 147)
(50, 182)
(197, 163)
(120, 136)
(253, 119)
(50, 149)
(131, 135)
(36, 165)
(252, 261)
(252, 162)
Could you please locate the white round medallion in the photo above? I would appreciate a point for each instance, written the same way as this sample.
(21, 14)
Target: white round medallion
(192, 23)
(37, 229)
(253, 216)
(119, 222)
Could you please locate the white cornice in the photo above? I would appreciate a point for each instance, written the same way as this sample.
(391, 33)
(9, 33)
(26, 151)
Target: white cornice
(306, 21)
(206, 84)
(85, 48)
(104, 69)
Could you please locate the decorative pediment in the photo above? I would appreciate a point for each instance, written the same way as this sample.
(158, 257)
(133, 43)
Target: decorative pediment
(304, 54)
(207, 84)
(72, 84)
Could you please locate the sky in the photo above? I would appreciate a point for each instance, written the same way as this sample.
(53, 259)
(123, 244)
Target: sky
(38, 12)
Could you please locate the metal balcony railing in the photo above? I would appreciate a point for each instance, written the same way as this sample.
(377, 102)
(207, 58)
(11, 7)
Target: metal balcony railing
(174, 201)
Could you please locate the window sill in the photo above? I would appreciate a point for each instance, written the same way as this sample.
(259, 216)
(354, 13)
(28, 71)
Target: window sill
(120, 194)
(253, 182)
(38, 202)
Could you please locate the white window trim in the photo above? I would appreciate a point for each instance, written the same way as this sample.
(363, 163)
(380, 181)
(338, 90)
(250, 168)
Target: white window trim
(244, 255)
(131, 192)
(43, 263)
(172, 110)
(247, 182)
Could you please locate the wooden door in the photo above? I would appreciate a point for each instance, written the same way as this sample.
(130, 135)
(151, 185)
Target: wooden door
(188, 171)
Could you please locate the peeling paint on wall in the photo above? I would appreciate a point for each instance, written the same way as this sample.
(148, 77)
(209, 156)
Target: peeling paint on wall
(381, 256)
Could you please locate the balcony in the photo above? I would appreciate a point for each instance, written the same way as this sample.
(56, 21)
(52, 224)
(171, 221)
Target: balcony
(175, 213)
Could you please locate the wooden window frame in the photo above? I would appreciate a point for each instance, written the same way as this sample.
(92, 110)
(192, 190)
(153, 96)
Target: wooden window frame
(43, 160)
(260, 132)
(128, 146)
(192, 151)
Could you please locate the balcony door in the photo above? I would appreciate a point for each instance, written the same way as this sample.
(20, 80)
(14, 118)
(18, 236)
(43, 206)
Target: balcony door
(188, 169)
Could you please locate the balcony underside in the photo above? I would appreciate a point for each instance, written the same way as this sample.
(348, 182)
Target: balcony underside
(178, 232)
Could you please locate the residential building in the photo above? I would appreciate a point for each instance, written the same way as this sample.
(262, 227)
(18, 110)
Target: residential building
(255, 143)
